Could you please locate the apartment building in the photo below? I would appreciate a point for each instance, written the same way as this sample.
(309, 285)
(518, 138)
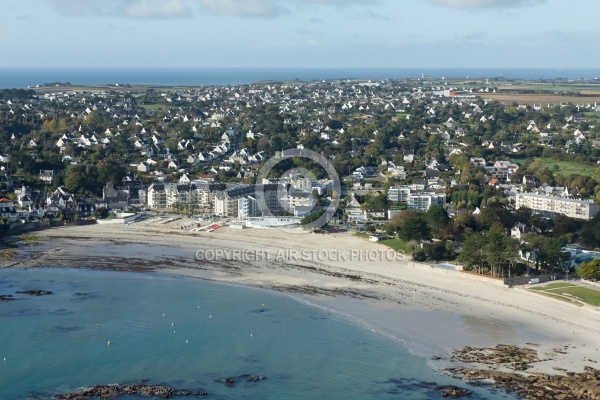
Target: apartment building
(573, 208)
(414, 197)
(197, 193)
(422, 201)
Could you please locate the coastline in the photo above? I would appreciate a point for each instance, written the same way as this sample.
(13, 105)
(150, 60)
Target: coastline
(432, 311)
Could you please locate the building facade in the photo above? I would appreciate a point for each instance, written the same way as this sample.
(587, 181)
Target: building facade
(573, 208)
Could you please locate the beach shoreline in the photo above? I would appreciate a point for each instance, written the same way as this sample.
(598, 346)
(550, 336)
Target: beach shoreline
(432, 311)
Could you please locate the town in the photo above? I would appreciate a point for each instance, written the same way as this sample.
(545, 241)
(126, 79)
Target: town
(441, 169)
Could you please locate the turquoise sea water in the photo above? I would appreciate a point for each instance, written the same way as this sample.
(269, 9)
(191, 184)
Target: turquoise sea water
(192, 334)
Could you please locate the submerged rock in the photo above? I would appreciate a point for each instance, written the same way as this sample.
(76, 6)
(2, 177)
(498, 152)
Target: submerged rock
(453, 392)
(36, 292)
(256, 378)
(6, 297)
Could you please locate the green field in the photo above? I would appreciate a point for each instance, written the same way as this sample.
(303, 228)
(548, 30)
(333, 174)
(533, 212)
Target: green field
(554, 285)
(396, 244)
(572, 293)
(592, 114)
(566, 168)
(156, 106)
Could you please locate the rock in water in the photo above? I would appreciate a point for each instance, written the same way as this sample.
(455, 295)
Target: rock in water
(115, 391)
(36, 292)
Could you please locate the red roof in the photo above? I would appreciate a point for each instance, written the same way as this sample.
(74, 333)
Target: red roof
(5, 200)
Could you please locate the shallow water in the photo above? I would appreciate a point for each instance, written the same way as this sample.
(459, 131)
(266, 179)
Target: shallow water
(191, 334)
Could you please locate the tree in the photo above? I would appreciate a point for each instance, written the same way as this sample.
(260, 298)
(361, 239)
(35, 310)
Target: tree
(110, 171)
(473, 253)
(437, 219)
(399, 219)
(101, 212)
(590, 235)
(589, 270)
(312, 217)
(75, 179)
(415, 228)
(565, 226)
(378, 202)
(440, 251)
(80, 178)
(492, 250)
(548, 251)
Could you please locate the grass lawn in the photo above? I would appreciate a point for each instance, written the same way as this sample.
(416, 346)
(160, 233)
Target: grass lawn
(396, 244)
(574, 293)
(561, 298)
(589, 296)
(566, 168)
(554, 285)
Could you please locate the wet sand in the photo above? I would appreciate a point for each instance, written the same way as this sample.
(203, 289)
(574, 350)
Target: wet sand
(432, 310)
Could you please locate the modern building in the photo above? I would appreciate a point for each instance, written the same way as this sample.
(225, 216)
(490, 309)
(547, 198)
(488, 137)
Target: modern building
(414, 197)
(422, 201)
(399, 194)
(573, 208)
(247, 208)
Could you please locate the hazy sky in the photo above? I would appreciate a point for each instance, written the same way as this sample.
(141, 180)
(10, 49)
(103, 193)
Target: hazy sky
(302, 33)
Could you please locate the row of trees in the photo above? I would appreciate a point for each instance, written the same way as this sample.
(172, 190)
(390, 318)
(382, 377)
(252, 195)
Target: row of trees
(492, 252)
(413, 225)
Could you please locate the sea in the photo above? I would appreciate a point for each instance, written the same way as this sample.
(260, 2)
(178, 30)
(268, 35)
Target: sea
(31, 77)
(104, 327)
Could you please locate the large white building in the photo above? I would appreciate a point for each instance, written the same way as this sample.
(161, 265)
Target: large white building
(414, 197)
(422, 201)
(227, 202)
(247, 208)
(199, 194)
(399, 194)
(573, 208)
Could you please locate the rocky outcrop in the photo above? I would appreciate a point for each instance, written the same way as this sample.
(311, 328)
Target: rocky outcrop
(505, 369)
(509, 356)
(583, 386)
(114, 391)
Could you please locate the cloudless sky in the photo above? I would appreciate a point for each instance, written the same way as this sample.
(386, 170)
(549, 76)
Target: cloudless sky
(300, 33)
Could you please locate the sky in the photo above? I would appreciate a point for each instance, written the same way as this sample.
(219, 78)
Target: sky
(300, 33)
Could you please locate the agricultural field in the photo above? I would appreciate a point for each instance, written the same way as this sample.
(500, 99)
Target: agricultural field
(540, 98)
(575, 294)
(582, 88)
(546, 93)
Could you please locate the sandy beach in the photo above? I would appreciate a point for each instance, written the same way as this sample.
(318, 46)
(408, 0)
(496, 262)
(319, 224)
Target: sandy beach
(431, 310)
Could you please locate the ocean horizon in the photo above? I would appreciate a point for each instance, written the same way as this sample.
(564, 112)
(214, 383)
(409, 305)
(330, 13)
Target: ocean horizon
(22, 78)
(191, 334)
